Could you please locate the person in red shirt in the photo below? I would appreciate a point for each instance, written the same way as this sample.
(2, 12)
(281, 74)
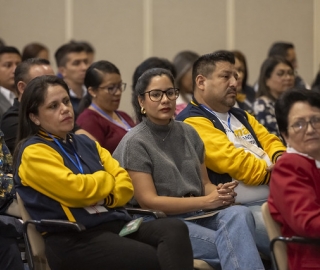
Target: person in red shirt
(294, 199)
(102, 119)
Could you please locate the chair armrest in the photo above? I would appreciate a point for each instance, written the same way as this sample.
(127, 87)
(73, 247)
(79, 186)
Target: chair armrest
(293, 239)
(146, 212)
(296, 239)
(57, 223)
(304, 240)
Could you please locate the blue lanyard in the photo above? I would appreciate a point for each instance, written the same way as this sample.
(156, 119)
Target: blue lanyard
(229, 121)
(78, 166)
(212, 112)
(110, 118)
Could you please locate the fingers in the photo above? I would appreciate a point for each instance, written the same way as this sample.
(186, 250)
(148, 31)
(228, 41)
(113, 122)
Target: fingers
(230, 185)
(225, 191)
(269, 169)
(228, 198)
(219, 186)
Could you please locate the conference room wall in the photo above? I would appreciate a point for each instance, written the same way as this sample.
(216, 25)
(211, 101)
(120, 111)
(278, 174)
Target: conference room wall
(126, 32)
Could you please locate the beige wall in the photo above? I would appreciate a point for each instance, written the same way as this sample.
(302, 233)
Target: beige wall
(125, 32)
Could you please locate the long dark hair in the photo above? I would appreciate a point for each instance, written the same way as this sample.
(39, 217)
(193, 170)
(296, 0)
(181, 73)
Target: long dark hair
(240, 56)
(265, 73)
(33, 96)
(94, 78)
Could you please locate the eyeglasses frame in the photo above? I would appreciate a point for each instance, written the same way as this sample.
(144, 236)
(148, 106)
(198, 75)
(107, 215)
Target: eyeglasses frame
(122, 88)
(177, 92)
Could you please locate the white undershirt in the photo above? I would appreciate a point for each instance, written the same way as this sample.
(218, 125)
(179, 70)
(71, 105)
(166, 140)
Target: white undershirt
(73, 94)
(9, 95)
(237, 129)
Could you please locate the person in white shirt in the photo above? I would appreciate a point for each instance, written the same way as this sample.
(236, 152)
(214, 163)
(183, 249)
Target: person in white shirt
(9, 59)
(72, 62)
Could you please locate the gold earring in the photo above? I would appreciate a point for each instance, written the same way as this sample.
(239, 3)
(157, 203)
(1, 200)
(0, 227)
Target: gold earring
(143, 110)
(37, 123)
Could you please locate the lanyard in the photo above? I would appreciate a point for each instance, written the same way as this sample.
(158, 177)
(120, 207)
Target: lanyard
(78, 164)
(253, 148)
(128, 127)
(212, 112)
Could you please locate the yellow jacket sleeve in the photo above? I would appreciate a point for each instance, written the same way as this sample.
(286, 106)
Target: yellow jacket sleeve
(270, 143)
(42, 168)
(223, 157)
(123, 189)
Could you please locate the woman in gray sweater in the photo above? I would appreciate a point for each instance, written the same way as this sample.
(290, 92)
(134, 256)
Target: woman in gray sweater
(165, 160)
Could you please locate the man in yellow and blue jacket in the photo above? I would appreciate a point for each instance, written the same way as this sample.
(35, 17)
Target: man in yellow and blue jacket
(237, 146)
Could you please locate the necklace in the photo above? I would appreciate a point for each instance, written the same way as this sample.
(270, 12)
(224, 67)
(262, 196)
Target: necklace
(163, 139)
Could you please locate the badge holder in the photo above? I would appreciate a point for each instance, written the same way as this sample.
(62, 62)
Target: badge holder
(131, 227)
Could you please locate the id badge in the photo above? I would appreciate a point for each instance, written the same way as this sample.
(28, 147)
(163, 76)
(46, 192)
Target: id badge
(96, 209)
(251, 147)
(131, 227)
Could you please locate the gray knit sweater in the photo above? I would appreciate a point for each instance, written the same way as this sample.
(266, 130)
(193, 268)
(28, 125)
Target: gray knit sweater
(174, 162)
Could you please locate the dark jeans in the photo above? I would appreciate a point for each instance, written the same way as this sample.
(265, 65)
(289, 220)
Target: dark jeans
(158, 244)
(10, 256)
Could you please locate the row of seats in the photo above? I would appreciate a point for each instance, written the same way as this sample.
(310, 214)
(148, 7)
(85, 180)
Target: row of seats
(34, 243)
(35, 249)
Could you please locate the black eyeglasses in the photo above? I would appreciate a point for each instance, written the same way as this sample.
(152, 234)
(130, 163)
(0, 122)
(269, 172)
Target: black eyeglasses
(112, 89)
(302, 125)
(157, 94)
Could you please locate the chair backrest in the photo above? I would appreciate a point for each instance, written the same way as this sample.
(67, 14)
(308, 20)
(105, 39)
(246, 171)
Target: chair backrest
(273, 229)
(35, 239)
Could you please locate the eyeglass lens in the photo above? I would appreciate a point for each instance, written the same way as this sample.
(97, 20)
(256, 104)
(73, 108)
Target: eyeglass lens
(302, 124)
(156, 95)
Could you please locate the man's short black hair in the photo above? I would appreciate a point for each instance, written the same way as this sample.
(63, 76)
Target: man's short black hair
(9, 49)
(21, 72)
(206, 64)
(280, 48)
(61, 55)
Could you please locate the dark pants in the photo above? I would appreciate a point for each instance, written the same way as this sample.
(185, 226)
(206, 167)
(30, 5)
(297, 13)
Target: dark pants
(10, 256)
(158, 244)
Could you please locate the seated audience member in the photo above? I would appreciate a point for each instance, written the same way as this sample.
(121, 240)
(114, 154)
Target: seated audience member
(183, 62)
(294, 199)
(10, 227)
(287, 51)
(89, 50)
(24, 73)
(237, 146)
(245, 93)
(151, 62)
(9, 59)
(102, 118)
(35, 50)
(72, 62)
(165, 160)
(276, 77)
(76, 179)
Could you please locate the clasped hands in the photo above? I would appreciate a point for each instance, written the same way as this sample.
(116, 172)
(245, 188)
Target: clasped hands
(226, 192)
